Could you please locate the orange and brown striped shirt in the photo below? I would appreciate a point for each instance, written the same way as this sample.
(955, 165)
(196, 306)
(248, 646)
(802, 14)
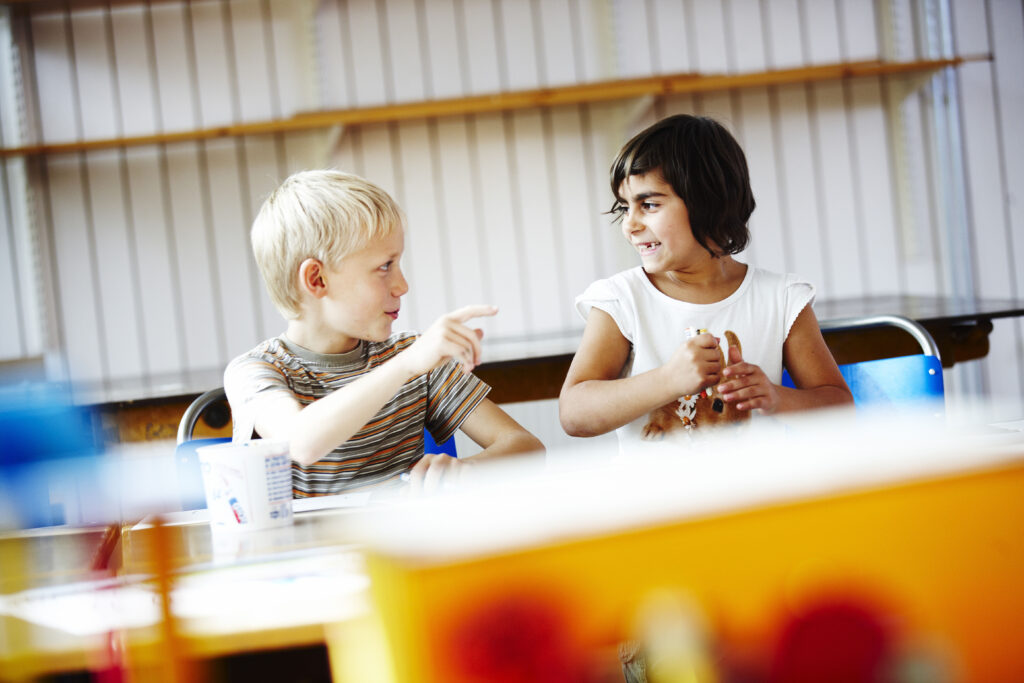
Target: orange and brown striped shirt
(389, 444)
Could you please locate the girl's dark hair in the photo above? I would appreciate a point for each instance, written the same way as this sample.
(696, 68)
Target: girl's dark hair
(705, 166)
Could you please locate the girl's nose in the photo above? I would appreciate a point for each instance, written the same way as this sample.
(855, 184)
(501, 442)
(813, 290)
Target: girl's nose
(629, 224)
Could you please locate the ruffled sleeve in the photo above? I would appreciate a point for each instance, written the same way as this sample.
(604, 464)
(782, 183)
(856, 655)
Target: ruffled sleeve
(799, 294)
(612, 298)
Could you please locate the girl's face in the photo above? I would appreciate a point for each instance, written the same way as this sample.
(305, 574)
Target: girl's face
(366, 289)
(657, 224)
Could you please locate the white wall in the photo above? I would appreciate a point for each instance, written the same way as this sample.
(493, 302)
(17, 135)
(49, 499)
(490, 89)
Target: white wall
(142, 271)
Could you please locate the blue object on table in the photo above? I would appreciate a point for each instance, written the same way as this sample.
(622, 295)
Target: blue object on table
(49, 445)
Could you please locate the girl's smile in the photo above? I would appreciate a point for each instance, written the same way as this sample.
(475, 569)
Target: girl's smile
(657, 224)
(647, 248)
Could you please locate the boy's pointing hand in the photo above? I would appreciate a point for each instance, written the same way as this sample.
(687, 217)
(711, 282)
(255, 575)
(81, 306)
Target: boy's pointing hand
(448, 337)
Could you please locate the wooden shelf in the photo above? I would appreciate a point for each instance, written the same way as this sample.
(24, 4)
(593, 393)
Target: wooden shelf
(673, 84)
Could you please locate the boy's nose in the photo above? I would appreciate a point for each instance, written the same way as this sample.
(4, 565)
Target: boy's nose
(399, 286)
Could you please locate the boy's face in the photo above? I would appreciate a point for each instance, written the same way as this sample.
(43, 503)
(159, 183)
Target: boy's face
(364, 291)
(657, 224)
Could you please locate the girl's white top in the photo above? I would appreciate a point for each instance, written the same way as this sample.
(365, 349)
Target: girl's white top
(761, 312)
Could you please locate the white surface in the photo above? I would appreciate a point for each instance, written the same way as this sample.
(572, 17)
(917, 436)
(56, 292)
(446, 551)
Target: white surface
(587, 491)
(314, 589)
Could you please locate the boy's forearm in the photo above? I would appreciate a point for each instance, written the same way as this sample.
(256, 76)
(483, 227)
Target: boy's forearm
(512, 443)
(324, 424)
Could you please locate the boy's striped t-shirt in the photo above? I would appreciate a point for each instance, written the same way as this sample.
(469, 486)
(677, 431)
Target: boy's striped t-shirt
(389, 444)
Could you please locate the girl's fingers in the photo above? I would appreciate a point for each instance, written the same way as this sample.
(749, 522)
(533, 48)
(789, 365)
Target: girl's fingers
(739, 369)
(741, 394)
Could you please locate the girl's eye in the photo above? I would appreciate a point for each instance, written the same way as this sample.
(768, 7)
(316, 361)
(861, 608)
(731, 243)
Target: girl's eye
(386, 267)
(647, 206)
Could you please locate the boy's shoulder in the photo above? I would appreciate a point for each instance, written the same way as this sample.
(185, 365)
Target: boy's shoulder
(266, 349)
(384, 350)
(279, 350)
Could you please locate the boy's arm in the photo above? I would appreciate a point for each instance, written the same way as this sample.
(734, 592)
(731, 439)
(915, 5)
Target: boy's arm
(315, 430)
(497, 433)
(490, 427)
(595, 400)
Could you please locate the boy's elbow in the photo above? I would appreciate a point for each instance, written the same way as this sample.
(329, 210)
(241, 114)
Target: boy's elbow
(528, 443)
(303, 459)
(521, 440)
(303, 453)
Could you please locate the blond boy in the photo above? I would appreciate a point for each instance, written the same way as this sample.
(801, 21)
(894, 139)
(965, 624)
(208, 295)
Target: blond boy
(350, 397)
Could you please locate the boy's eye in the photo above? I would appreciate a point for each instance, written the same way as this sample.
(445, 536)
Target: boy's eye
(647, 206)
(386, 267)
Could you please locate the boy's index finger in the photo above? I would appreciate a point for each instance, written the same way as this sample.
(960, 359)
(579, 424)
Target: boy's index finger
(472, 311)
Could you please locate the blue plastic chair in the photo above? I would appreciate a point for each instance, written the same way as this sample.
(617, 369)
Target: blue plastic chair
(896, 381)
(901, 380)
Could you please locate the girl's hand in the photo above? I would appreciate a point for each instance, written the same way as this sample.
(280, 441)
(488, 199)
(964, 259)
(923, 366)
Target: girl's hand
(747, 386)
(696, 364)
(448, 337)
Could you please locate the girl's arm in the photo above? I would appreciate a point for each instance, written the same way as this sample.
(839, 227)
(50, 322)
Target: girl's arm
(595, 400)
(810, 364)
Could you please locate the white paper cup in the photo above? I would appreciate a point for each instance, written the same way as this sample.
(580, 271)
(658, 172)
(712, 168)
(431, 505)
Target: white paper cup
(248, 485)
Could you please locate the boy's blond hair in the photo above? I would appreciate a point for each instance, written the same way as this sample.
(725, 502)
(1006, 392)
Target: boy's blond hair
(325, 215)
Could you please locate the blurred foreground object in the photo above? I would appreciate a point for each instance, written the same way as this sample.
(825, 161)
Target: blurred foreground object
(49, 450)
(898, 539)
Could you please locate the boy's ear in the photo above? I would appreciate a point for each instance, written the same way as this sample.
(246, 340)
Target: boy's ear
(311, 277)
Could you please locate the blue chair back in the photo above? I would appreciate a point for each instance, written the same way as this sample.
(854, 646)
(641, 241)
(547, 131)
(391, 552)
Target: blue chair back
(901, 380)
(431, 446)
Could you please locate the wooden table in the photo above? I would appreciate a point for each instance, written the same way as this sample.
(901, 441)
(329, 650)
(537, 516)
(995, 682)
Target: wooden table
(233, 595)
(960, 327)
